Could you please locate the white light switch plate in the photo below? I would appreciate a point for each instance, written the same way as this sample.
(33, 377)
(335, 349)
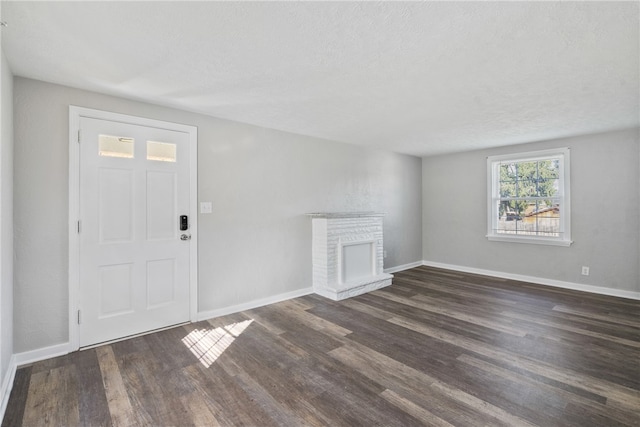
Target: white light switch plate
(205, 207)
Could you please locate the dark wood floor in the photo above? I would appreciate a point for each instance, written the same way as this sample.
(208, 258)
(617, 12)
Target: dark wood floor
(436, 348)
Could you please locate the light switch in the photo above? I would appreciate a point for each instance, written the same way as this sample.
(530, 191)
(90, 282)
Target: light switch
(205, 207)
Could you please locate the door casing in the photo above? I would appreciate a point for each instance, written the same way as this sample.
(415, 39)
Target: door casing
(75, 113)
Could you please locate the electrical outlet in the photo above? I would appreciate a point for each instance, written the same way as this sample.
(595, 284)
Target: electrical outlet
(585, 270)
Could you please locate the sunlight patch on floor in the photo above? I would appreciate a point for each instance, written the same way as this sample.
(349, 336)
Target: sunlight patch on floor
(208, 344)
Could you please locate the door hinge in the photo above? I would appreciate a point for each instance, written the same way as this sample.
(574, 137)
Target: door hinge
(79, 135)
(78, 317)
(78, 226)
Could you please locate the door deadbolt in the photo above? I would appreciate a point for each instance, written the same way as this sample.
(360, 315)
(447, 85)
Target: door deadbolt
(185, 237)
(184, 222)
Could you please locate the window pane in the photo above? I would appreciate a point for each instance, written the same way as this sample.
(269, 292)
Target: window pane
(527, 188)
(548, 187)
(550, 168)
(527, 170)
(508, 210)
(507, 172)
(115, 146)
(548, 177)
(508, 189)
(161, 151)
(542, 220)
(529, 218)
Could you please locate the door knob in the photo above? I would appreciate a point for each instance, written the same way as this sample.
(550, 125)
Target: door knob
(185, 237)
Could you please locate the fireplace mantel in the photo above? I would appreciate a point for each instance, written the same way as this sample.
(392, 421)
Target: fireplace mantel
(347, 253)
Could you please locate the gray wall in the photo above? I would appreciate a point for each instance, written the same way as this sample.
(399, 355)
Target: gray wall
(604, 221)
(257, 242)
(6, 217)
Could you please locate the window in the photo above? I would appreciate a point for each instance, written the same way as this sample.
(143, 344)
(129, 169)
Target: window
(115, 146)
(529, 197)
(161, 151)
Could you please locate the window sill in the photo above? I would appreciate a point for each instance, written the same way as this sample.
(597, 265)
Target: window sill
(530, 240)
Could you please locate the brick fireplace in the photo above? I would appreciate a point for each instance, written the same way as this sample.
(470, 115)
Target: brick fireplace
(347, 252)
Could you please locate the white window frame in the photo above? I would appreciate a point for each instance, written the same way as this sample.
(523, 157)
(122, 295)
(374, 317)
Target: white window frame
(493, 199)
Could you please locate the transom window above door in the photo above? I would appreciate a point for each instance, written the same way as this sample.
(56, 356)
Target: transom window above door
(124, 147)
(161, 151)
(115, 146)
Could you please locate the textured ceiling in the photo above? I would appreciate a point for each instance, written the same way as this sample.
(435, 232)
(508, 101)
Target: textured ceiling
(417, 78)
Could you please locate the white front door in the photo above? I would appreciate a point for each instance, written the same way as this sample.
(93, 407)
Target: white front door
(134, 258)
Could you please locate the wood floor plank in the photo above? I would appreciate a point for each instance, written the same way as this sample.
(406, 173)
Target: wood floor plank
(385, 363)
(122, 413)
(594, 324)
(604, 317)
(92, 401)
(406, 381)
(451, 324)
(570, 328)
(314, 322)
(155, 399)
(46, 404)
(624, 396)
(169, 356)
(418, 412)
(473, 319)
(227, 398)
(367, 309)
(437, 347)
(15, 406)
(258, 318)
(199, 411)
(594, 406)
(268, 390)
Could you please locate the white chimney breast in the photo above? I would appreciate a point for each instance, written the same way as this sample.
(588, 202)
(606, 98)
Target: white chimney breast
(347, 254)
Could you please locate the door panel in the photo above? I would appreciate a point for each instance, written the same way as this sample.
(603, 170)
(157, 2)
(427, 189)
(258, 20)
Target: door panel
(161, 282)
(115, 201)
(134, 269)
(162, 209)
(116, 290)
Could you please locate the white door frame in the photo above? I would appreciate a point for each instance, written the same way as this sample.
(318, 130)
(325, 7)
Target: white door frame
(75, 113)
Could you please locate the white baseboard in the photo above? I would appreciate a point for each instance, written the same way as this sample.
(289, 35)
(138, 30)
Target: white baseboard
(538, 280)
(7, 385)
(204, 315)
(403, 267)
(42, 353)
